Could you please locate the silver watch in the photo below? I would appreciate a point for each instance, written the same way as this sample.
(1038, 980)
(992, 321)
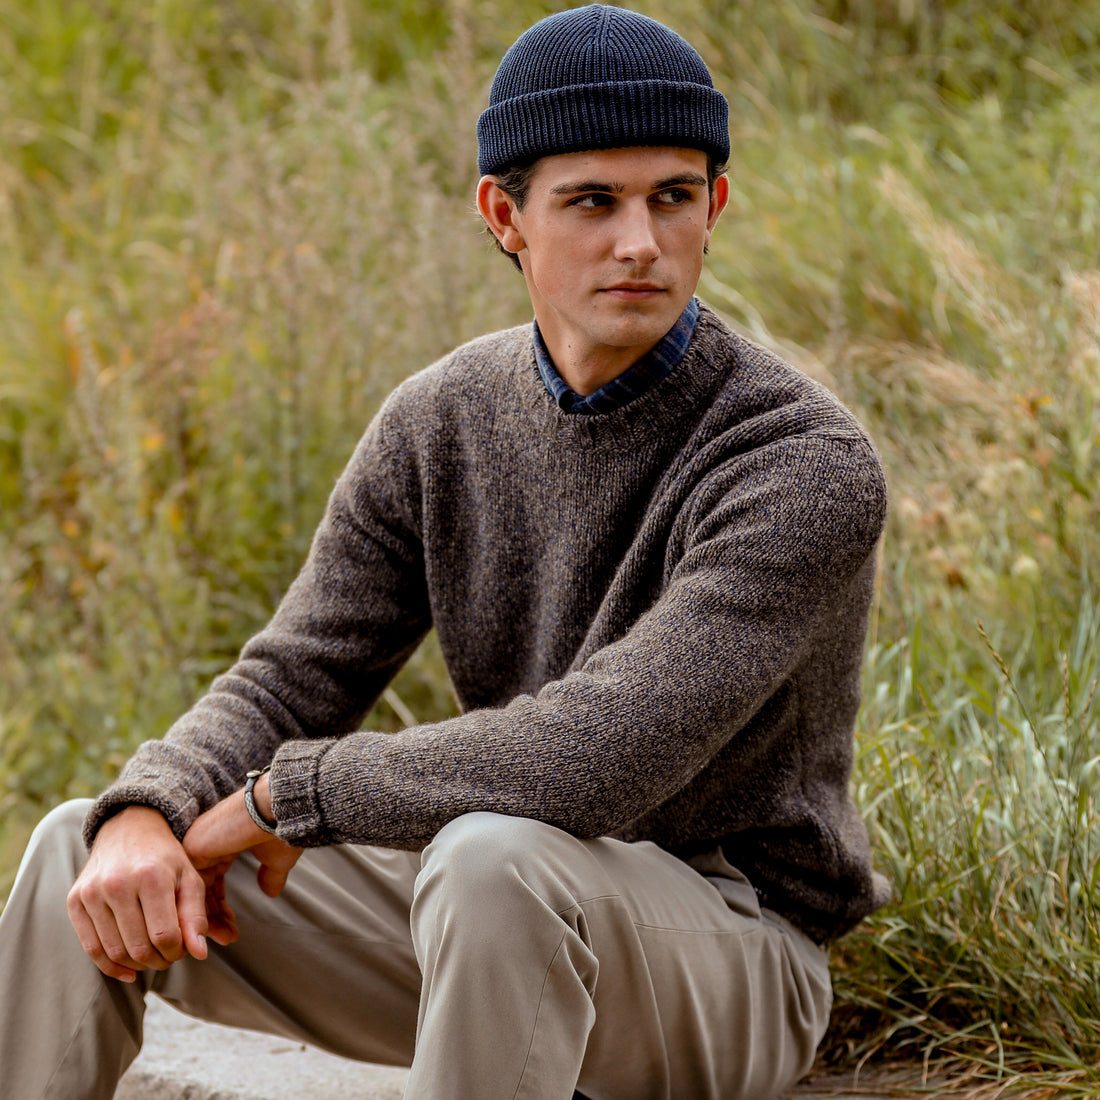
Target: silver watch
(250, 802)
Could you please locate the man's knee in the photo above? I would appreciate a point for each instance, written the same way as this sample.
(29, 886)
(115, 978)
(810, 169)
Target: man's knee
(61, 829)
(54, 857)
(68, 816)
(486, 846)
(483, 858)
(56, 848)
(505, 894)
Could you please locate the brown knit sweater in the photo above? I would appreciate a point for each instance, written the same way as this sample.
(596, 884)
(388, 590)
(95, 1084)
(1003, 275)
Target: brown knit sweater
(653, 620)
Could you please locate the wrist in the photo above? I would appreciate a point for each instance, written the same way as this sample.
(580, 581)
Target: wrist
(134, 815)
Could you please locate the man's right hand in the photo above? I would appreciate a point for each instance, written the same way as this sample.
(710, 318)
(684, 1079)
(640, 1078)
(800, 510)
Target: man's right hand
(139, 904)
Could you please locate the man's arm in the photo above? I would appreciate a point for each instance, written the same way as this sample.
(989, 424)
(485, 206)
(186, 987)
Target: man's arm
(163, 836)
(308, 672)
(773, 548)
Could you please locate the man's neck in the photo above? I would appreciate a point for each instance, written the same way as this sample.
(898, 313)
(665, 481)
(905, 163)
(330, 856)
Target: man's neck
(585, 372)
(626, 385)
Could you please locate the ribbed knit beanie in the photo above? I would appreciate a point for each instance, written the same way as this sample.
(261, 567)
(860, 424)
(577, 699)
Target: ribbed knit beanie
(599, 78)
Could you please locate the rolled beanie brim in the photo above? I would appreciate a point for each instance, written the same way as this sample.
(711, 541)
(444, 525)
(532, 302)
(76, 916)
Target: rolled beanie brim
(603, 116)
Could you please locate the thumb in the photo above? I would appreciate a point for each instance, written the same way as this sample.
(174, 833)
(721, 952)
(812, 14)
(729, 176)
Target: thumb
(191, 904)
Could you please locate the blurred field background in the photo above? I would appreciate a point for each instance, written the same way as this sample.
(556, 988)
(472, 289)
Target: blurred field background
(227, 230)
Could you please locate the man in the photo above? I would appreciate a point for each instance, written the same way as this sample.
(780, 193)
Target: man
(647, 547)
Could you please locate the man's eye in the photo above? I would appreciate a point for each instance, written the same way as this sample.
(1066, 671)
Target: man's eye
(591, 202)
(674, 196)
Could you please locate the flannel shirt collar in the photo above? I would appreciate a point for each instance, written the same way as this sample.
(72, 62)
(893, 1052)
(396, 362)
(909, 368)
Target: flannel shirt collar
(655, 365)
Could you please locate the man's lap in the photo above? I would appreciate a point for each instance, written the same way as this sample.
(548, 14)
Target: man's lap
(332, 960)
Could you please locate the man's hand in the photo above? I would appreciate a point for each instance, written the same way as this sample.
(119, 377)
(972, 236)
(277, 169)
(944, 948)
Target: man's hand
(139, 903)
(144, 900)
(218, 836)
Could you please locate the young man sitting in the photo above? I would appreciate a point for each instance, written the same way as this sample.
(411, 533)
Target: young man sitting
(647, 547)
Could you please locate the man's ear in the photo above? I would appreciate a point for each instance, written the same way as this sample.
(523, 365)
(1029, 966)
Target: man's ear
(719, 196)
(500, 214)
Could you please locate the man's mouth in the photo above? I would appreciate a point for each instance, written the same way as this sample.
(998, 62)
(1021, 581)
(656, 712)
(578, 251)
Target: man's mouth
(634, 290)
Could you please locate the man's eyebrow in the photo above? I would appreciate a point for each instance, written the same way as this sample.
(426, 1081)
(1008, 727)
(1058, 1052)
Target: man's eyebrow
(580, 187)
(586, 185)
(685, 179)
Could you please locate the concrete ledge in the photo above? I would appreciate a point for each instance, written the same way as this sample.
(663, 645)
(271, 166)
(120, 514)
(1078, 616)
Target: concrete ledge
(186, 1059)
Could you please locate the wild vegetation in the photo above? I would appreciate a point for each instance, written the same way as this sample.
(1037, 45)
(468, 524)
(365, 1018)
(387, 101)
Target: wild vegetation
(227, 230)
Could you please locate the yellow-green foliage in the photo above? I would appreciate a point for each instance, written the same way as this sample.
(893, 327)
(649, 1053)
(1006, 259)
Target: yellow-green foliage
(227, 230)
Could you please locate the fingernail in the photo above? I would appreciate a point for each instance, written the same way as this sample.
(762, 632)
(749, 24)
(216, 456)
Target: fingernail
(202, 942)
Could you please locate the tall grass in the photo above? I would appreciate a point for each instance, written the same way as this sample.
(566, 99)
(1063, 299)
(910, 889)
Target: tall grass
(227, 230)
(982, 801)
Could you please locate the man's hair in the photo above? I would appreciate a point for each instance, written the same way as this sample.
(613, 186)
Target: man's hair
(515, 181)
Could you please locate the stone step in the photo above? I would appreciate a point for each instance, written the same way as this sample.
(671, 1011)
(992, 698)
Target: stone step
(186, 1059)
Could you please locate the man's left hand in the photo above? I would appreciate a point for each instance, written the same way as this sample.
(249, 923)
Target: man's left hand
(218, 836)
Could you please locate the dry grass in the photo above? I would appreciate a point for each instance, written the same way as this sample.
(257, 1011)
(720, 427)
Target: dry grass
(227, 231)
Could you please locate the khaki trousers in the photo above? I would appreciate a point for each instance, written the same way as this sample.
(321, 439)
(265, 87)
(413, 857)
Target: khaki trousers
(506, 960)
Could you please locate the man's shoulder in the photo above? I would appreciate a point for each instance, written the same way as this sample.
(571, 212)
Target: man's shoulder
(462, 392)
(477, 368)
(763, 388)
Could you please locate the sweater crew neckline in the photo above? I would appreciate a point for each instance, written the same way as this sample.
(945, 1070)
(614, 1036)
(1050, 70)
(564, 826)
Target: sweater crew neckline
(662, 407)
(657, 363)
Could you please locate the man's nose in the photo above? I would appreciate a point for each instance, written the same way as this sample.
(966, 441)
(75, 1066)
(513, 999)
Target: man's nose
(637, 241)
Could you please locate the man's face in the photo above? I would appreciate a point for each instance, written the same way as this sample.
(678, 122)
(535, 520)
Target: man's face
(611, 245)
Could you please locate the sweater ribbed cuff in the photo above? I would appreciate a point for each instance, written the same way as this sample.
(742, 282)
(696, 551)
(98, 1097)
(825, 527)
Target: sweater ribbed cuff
(294, 799)
(178, 805)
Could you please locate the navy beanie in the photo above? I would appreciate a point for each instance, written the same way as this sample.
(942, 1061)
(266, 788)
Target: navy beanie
(599, 78)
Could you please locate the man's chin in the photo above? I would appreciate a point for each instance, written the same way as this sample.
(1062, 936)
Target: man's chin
(639, 323)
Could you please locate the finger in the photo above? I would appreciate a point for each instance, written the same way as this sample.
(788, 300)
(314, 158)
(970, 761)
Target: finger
(128, 900)
(163, 923)
(89, 898)
(276, 860)
(191, 908)
(223, 929)
(223, 921)
(272, 879)
(219, 903)
(215, 874)
(110, 937)
(89, 939)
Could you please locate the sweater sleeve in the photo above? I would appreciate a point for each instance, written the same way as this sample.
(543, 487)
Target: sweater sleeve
(352, 617)
(758, 555)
